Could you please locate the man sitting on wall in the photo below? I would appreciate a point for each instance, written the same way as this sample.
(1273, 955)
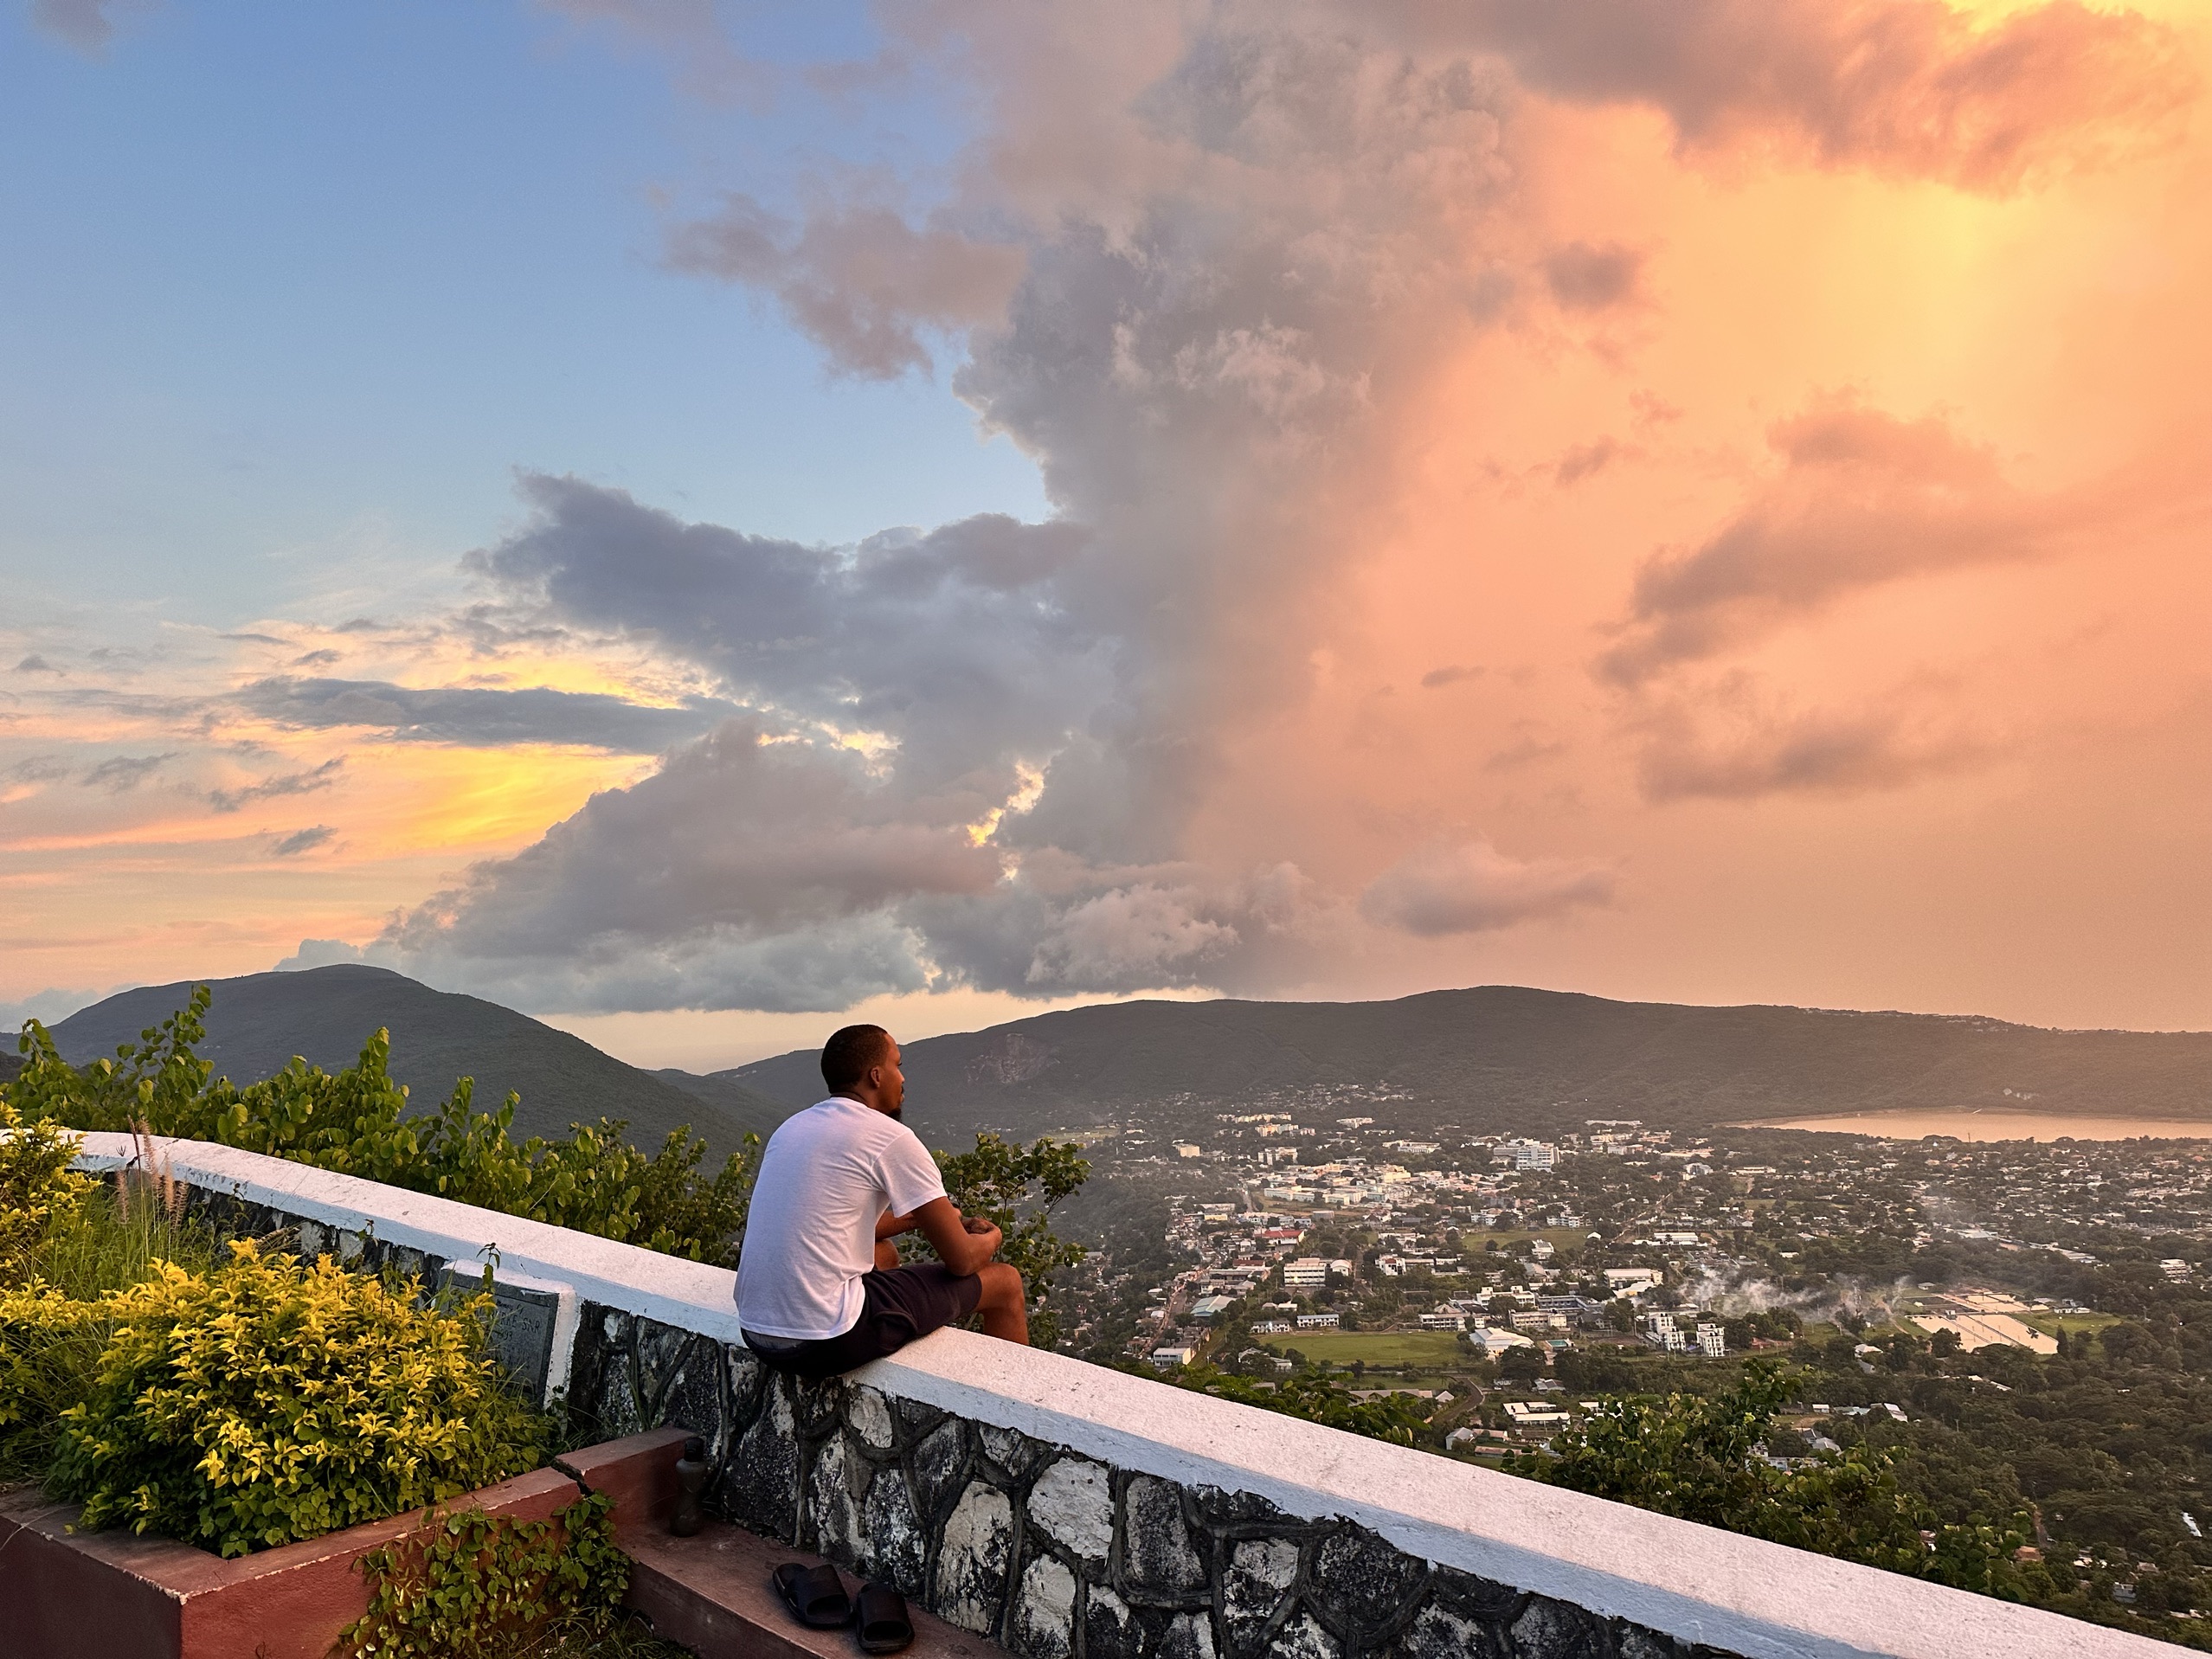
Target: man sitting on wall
(820, 1287)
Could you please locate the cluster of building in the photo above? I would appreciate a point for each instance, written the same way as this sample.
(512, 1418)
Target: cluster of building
(1616, 1233)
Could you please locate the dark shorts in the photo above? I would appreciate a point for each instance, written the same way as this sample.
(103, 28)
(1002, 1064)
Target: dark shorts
(901, 1304)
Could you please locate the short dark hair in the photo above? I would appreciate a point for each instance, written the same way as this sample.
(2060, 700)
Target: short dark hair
(850, 1052)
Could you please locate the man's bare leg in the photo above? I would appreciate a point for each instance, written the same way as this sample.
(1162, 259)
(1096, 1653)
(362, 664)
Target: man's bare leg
(1006, 1315)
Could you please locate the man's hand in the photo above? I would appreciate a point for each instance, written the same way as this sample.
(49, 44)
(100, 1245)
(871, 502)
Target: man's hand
(963, 1243)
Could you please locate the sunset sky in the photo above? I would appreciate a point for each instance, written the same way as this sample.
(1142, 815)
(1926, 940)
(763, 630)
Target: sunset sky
(689, 518)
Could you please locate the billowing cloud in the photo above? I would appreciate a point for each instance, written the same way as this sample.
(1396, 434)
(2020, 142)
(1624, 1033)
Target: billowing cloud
(1469, 886)
(1197, 267)
(859, 281)
(1916, 88)
(482, 717)
(1223, 274)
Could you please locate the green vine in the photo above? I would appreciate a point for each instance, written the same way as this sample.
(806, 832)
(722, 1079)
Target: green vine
(471, 1586)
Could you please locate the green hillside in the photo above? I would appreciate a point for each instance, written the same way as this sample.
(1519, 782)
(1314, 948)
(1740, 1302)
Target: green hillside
(260, 1021)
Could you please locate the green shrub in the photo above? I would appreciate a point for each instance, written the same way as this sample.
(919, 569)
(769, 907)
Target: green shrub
(1015, 1188)
(1697, 1457)
(268, 1401)
(36, 1187)
(470, 1586)
(357, 1122)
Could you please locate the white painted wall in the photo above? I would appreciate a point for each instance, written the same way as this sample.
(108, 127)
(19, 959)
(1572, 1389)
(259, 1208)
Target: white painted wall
(1694, 1583)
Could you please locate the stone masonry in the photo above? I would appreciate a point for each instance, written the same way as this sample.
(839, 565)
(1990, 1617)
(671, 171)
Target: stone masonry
(1054, 1554)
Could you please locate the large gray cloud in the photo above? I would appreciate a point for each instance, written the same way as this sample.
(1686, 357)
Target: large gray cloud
(863, 827)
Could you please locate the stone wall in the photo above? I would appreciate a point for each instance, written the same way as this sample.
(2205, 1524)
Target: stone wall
(1055, 1554)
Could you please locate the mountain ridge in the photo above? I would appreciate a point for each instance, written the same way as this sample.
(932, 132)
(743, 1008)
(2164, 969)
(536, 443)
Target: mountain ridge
(258, 1022)
(1514, 1056)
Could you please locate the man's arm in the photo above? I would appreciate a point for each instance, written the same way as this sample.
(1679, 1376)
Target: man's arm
(963, 1243)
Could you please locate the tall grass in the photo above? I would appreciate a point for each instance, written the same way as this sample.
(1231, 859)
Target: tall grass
(109, 1242)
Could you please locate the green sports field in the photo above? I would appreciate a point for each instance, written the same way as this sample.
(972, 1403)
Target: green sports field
(1376, 1347)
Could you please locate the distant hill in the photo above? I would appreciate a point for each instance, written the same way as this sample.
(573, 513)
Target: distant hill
(1505, 1057)
(257, 1024)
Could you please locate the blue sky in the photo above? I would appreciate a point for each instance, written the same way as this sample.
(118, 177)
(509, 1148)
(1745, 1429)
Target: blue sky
(292, 290)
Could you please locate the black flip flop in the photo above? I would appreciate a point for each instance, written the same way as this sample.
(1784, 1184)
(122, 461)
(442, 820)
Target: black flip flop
(885, 1624)
(816, 1595)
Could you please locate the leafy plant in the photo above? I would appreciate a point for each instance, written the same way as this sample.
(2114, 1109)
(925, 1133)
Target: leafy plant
(357, 1121)
(473, 1586)
(1015, 1188)
(268, 1401)
(36, 1187)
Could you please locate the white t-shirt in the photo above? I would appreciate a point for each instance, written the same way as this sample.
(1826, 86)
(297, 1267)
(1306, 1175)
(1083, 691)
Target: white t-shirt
(828, 1172)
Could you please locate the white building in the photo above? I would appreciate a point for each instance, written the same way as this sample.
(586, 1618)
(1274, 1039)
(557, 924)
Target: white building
(1306, 1271)
(1528, 1154)
(1317, 1321)
(1712, 1340)
(1535, 1414)
(1170, 1358)
(1496, 1341)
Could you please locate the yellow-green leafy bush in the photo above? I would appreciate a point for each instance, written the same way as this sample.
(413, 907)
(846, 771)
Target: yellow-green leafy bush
(36, 1187)
(269, 1400)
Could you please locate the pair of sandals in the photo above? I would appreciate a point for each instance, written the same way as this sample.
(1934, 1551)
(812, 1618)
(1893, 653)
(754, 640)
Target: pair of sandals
(817, 1599)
